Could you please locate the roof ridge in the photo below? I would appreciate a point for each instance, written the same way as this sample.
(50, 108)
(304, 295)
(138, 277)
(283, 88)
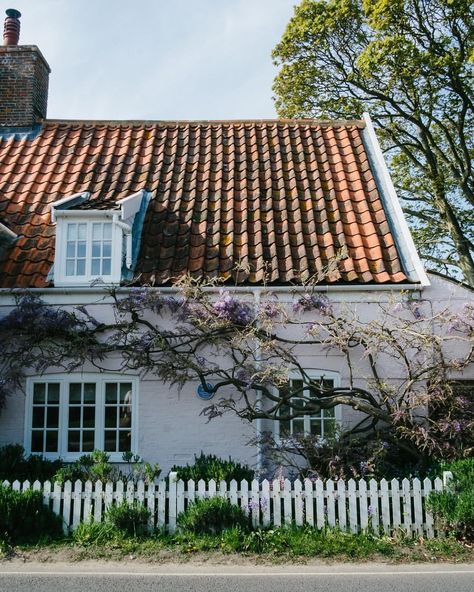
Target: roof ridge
(296, 121)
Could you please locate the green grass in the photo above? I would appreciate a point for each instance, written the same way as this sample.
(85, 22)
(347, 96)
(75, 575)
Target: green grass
(103, 541)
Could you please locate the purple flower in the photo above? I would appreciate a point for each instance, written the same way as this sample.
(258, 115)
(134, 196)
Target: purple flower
(231, 309)
(307, 302)
(370, 511)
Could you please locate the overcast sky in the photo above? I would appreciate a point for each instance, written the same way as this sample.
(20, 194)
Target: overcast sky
(157, 59)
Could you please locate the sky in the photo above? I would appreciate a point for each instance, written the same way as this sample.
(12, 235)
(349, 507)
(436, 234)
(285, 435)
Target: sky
(157, 59)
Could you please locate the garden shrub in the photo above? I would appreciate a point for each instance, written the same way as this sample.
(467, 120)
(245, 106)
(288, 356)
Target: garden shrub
(131, 519)
(24, 517)
(212, 516)
(14, 465)
(454, 507)
(95, 533)
(96, 466)
(209, 466)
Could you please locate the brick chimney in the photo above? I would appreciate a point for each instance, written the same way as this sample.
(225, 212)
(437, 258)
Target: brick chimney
(24, 75)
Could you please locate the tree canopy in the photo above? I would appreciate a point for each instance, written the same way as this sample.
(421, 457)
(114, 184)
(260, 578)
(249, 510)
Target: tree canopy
(409, 63)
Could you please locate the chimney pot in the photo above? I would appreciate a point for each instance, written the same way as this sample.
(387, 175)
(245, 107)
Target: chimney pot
(11, 27)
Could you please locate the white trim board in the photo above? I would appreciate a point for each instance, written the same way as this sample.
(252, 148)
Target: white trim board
(406, 247)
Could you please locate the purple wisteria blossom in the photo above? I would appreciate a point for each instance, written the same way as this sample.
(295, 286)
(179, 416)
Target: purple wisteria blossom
(231, 309)
(308, 302)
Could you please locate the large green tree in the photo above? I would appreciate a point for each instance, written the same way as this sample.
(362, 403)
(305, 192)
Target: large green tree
(409, 63)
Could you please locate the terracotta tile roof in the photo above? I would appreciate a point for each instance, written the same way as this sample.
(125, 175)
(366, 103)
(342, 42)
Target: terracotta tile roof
(275, 197)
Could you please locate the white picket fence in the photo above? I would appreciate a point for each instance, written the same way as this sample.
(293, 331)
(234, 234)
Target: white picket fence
(355, 505)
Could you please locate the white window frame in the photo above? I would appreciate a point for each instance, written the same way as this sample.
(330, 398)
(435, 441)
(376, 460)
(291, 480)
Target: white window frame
(70, 217)
(313, 374)
(64, 380)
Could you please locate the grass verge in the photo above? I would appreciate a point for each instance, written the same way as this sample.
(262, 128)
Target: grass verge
(96, 541)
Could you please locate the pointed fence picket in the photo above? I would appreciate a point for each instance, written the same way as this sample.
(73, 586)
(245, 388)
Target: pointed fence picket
(355, 505)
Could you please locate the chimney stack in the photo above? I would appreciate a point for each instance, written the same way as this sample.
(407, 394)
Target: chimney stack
(24, 78)
(11, 28)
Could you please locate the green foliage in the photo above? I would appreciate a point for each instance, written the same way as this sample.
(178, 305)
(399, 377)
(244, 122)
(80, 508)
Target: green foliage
(93, 467)
(211, 516)
(95, 533)
(14, 465)
(209, 466)
(410, 63)
(24, 517)
(96, 466)
(454, 507)
(131, 519)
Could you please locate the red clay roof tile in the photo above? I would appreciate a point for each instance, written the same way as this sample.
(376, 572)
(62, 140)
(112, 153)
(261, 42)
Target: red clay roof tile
(278, 198)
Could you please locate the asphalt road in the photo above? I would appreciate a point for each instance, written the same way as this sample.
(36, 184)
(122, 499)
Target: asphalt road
(245, 578)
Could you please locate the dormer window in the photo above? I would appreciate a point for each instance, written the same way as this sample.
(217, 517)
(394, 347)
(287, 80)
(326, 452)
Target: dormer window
(89, 249)
(96, 244)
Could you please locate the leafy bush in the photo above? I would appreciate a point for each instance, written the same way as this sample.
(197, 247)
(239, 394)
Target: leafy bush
(209, 466)
(454, 507)
(14, 465)
(211, 516)
(129, 518)
(96, 466)
(24, 517)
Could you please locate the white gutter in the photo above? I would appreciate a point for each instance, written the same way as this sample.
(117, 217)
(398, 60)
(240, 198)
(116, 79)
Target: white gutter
(84, 213)
(399, 227)
(127, 230)
(67, 202)
(241, 289)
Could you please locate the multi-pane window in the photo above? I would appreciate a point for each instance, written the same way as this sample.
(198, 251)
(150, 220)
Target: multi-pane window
(101, 248)
(320, 423)
(71, 417)
(88, 249)
(118, 416)
(45, 418)
(76, 249)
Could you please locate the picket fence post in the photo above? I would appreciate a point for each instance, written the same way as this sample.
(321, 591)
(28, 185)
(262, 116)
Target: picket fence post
(172, 500)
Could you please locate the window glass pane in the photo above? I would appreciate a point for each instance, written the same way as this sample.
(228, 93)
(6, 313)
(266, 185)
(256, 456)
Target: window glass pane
(125, 441)
(37, 441)
(89, 392)
(285, 427)
(110, 441)
(297, 385)
(81, 250)
(81, 231)
(329, 412)
(74, 441)
(71, 232)
(88, 441)
(298, 426)
(51, 441)
(88, 419)
(71, 250)
(125, 392)
(53, 393)
(107, 231)
(107, 250)
(110, 417)
(39, 390)
(315, 427)
(38, 417)
(111, 392)
(95, 267)
(75, 392)
(70, 267)
(96, 231)
(74, 417)
(106, 267)
(81, 267)
(125, 420)
(96, 249)
(52, 417)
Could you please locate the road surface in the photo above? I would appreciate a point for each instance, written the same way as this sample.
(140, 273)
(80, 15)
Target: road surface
(134, 577)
